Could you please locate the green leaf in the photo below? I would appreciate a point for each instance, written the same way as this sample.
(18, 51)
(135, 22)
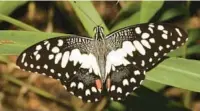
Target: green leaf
(8, 7)
(128, 10)
(88, 16)
(4, 59)
(171, 13)
(132, 20)
(181, 73)
(153, 85)
(192, 46)
(158, 101)
(149, 9)
(14, 42)
(194, 36)
(17, 23)
(193, 50)
(178, 52)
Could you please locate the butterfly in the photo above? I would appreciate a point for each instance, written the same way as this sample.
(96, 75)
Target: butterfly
(115, 63)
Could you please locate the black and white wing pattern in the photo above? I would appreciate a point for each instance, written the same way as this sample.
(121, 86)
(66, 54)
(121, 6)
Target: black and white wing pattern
(67, 59)
(135, 50)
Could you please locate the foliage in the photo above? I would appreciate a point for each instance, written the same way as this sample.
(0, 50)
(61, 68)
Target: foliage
(174, 71)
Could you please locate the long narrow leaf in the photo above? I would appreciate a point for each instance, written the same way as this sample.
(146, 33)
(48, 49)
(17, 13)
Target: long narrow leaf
(13, 42)
(17, 23)
(149, 9)
(89, 17)
(176, 72)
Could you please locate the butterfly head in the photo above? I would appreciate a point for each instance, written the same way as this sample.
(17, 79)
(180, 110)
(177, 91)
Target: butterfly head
(99, 32)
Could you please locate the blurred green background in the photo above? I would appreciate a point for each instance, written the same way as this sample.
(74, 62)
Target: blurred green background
(171, 86)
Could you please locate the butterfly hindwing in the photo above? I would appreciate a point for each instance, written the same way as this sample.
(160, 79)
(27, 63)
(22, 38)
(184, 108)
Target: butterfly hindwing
(140, 47)
(124, 80)
(65, 59)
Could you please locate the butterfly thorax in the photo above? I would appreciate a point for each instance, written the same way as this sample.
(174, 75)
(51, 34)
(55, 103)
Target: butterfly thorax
(100, 51)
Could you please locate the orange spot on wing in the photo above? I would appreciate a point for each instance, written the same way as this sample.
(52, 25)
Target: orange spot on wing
(98, 84)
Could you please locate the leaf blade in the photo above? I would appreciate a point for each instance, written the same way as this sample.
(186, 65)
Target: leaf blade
(176, 72)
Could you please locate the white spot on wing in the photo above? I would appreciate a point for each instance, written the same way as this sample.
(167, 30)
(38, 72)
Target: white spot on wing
(60, 42)
(173, 42)
(137, 30)
(80, 97)
(128, 47)
(152, 40)
(87, 92)
(67, 75)
(112, 88)
(58, 57)
(134, 88)
(65, 87)
(178, 39)
(150, 59)
(151, 25)
(46, 42)
(165, 31)
(35, 53)
(94, 89)
(31, 65)
(141, 82)
(119, 98)
(37, 67)
(38, 57)
(55, 50)
(48, 46)
(178, 31)
(127, 93)
(52, 70)
(146, 43)
(23, 57)
(160, 27)
(143, 63)
(51, 56)
(133, 80)
(139, 47)
(137, 72)
(38, 47)
(145, 35)
(155, 54)
(73, 84)
(150, 29)
(160, 48)
(65, 58)
(164, 36)
(80, 85)
(89, 101)
(46, 66)
(119, 90)
(125, 82)
(59, 74)
(167, 46)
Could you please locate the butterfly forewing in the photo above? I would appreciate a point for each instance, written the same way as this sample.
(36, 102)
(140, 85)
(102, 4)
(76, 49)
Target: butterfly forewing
(137, 49)
(64, 58)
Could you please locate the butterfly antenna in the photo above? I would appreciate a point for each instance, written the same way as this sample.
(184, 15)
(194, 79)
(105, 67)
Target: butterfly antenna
(85, 13)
